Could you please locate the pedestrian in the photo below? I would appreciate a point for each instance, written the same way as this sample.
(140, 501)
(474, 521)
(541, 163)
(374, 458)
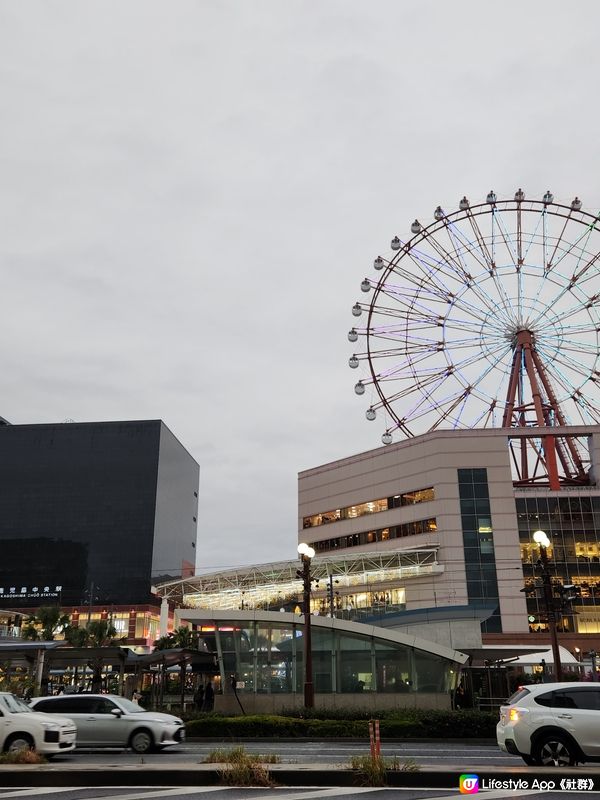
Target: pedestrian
(199, 697)
(209, 697)
(137, 696)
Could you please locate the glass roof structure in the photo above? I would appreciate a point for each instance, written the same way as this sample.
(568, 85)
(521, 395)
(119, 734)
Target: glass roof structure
(265, 584)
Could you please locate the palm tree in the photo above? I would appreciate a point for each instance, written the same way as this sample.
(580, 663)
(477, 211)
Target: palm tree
(100, 633)
(45, 623)
(76, 636)
(184, 638)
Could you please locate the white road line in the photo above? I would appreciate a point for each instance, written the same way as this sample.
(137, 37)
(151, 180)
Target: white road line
(499, 795)
(166, 792)
(35, 792)
(335, 792)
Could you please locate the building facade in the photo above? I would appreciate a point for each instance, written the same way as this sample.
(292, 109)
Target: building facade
(93, 514)
(455, 491)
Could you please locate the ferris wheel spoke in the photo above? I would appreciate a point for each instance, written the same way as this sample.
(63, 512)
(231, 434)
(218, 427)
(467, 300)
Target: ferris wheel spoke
(408, 350)
(585, 235)
(575, 330)
(592, 262)
(402, 313)
(421, 409)
(583, 348)
(570, 312)
(559, 240)
(463, 271)
(574, 365)
(425, 279)
(483, 248)
(533, 236)
(471, 310)
(405, 293)
(457, 237)
(506, 238)
(430, 266)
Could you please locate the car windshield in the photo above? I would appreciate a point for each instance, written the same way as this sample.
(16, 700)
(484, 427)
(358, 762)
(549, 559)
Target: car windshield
(14, 704)
(129, 707)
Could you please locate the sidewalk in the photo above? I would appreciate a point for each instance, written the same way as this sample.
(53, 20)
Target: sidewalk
(47, 775)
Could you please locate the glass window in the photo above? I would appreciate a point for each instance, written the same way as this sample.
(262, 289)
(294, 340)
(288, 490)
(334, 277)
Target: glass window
(355, 665)
(104, 706)
(394, 668)
(381, 535)
(577, 698)
(432, 673)
(370, 507)
(542, 699)
(73, 705)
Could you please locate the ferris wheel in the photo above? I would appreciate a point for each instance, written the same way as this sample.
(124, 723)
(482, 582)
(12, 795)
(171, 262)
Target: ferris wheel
(489, 316)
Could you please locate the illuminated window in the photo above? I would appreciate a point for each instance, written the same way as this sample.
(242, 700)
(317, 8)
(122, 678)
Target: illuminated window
(381, 535)
(370, 507)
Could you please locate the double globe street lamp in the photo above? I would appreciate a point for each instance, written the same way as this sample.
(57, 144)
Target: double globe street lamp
(307, 553)
(543, 542)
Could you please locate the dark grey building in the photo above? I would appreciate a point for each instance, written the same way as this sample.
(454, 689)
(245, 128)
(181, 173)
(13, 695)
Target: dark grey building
(101, 508)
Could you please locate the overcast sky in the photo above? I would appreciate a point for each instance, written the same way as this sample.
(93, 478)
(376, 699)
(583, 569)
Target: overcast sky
(192, 192)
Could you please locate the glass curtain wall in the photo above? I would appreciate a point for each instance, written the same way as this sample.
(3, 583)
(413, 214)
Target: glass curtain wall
(573, 527)
(268, 658)
(478, 540)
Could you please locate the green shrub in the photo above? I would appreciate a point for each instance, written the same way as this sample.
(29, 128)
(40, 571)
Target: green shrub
(403, 723)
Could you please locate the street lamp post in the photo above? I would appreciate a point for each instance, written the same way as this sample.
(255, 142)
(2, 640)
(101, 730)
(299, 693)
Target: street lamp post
(541, 539)
(306, 555)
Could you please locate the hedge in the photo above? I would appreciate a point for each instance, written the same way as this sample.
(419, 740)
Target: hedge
(405, 724)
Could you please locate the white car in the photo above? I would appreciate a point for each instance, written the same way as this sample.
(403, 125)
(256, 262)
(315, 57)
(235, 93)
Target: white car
(552, 724)
(21, 728)
(107, 720)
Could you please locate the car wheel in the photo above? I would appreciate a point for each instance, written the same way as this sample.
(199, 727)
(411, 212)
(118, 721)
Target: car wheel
(141, 741)
(555, 750)
(18, 741)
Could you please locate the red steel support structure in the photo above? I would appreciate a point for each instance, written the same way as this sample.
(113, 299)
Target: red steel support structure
(549, 459)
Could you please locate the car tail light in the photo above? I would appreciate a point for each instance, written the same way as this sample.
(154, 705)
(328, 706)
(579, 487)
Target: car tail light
(515, 714)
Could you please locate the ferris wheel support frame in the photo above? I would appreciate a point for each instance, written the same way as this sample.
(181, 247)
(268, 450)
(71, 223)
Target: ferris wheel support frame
(526, 359)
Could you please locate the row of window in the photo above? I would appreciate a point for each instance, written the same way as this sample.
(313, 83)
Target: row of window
(372, 507)
(381, 535)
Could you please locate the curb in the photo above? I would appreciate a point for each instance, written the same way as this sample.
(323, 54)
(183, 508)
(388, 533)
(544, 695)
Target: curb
(338, 740)
(44, 776)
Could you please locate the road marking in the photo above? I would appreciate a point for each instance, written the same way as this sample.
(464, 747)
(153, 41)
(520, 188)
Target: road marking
(34, 792)
(169, 792)
(336, 792)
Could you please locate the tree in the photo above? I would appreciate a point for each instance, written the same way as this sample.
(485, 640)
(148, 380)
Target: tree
(184, 638)
(180, 637)
(76, 636)
(45, 624)
(101, 633)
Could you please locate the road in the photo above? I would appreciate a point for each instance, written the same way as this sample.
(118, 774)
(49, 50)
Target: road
(452, 755)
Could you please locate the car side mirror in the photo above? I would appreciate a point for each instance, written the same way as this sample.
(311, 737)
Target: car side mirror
(116, 712)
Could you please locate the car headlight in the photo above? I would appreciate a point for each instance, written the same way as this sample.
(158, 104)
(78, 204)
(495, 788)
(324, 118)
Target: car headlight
(50, 726)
